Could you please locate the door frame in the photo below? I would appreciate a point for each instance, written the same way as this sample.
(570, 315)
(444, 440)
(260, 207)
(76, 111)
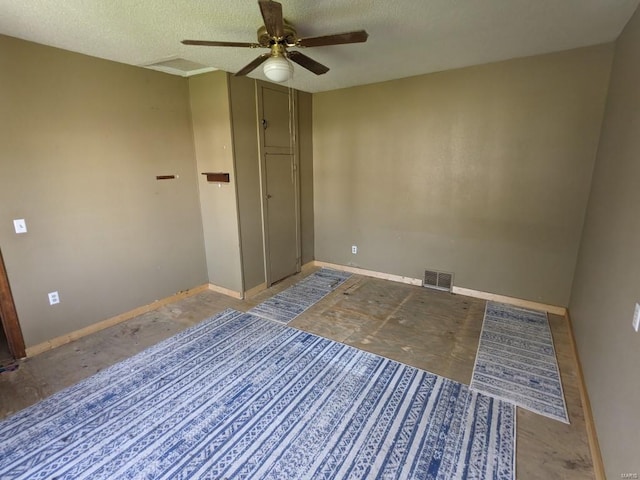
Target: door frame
(295, 154)
(9, 315)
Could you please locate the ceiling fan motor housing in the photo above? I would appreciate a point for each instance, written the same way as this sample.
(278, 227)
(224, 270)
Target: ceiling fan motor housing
(289, 39)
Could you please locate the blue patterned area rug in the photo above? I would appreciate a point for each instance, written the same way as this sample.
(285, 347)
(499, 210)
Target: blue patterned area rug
(516, 361)
(241, 397)
(288, 304)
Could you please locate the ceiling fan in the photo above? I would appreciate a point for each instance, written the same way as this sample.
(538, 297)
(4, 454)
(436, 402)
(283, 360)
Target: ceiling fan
(278, 35)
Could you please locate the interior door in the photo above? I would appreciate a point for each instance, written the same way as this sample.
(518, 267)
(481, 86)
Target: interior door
(275, 115)
(281, 216)
(281, 219)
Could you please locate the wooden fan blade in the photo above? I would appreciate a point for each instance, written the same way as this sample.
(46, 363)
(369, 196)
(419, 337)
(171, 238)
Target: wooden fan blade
(337, 39)
(256, 63)
(272, 15)
(208, 43)
(308, 63)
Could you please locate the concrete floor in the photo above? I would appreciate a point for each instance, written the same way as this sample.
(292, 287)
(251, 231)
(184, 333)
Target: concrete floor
(431, 330)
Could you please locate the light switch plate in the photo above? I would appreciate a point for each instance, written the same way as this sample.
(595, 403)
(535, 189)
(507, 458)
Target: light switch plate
(20, 225)
(636, 318)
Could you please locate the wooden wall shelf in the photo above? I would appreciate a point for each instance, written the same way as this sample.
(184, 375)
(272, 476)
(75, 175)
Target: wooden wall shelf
(217, 177)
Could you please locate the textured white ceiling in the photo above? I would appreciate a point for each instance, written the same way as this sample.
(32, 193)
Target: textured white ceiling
(406, 37)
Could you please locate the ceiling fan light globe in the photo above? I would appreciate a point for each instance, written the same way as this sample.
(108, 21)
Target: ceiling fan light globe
(277, 69)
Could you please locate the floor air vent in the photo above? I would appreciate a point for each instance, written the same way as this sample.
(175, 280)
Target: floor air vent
(438, 280)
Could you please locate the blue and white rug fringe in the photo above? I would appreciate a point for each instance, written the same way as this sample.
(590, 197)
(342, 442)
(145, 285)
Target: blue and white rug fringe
(241, 397)
(516, 361)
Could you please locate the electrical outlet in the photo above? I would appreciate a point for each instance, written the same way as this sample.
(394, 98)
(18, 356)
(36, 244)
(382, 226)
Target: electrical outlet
(20, 225)
(354, 249)
(636, 318)
(54, 298)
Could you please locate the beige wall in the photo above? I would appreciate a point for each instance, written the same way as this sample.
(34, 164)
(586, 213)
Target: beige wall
(242, 91)
(482, 171)
(81, 141)
(218, 202)
(607, 280)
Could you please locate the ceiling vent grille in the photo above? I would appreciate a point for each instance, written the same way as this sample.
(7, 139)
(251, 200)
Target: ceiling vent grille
(179, 66)
(438, 280)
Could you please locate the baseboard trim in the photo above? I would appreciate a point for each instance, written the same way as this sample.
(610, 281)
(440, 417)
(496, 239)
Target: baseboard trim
(518, 302)
(255, 290)
(370, 273)
(225, 291)
(308, 266)
(594, 445)
(110, 322)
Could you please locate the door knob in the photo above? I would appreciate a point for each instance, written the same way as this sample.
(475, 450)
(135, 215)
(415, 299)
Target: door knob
(268, 196)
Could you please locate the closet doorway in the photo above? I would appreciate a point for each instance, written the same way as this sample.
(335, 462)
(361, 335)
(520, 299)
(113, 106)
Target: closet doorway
(280, 185)
(5, 354)
(11, 334)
